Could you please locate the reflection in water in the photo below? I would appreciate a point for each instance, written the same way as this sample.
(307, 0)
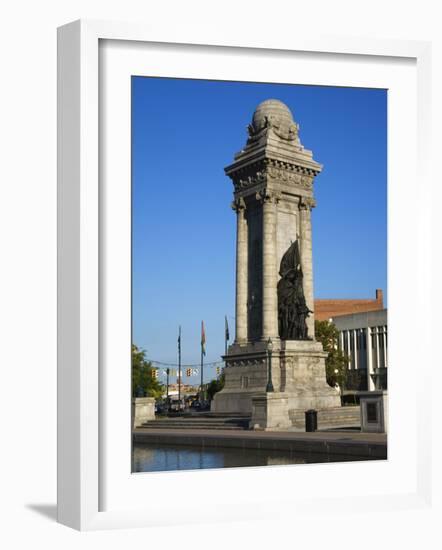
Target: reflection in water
(154, 458)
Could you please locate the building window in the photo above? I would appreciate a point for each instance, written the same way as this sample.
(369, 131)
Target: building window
(362, 345)
(352, 348)
(364, 339)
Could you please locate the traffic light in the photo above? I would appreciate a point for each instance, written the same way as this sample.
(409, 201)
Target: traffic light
(154, 374)
(218, 370)
(188, 372)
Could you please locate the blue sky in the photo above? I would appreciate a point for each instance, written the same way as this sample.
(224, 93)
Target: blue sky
(184, 132)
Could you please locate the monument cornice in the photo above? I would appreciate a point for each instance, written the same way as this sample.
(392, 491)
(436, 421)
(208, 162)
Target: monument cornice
(249, 361)
(288, 193)
(272, 171)
(304, 166)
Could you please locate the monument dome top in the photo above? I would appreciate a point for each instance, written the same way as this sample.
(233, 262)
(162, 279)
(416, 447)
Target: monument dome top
(273, 113)
(271, 108)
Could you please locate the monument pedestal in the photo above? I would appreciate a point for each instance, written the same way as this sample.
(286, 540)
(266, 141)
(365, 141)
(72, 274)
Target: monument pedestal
(303, 376)
(245, 376)
(270, 412)
(298, 376)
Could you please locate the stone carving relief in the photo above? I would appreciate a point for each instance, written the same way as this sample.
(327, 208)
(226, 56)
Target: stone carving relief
(289, 362)
(264, 195)
(250, 181)
(288, 131)
(291, 175)
(307, 203)
(246, 363)
(238, 204)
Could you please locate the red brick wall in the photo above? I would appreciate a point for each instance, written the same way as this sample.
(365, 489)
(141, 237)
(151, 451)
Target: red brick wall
(324, 309)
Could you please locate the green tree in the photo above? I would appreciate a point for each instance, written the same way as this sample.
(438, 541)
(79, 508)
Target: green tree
(214, 386)
(336, 361)
(143, 380)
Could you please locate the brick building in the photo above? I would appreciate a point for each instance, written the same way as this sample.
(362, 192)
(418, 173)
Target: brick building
(326, 309)
(363, 336)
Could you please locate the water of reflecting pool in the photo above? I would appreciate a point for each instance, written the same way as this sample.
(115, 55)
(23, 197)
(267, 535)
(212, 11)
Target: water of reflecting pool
(158, 458)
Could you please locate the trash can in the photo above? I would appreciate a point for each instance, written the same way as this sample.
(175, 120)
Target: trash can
(311, 420)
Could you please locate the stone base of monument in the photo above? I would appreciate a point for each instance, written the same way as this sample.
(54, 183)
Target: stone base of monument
(303, 376)
(270, 412)
(298, 374)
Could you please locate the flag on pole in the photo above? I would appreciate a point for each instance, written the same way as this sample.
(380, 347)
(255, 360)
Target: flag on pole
(227, 329)
(203, 339)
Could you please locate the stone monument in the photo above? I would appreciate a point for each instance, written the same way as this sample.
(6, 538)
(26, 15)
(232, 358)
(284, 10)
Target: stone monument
(275, 369)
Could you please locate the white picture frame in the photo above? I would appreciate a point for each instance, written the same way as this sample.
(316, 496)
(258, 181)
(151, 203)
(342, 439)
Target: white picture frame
(82, 445)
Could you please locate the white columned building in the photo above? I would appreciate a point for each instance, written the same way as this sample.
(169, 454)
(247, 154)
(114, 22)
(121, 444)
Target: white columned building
(363, 337)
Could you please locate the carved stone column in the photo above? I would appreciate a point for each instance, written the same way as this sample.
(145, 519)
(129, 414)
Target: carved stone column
(241, 272)
(269, 268)
(305, 226)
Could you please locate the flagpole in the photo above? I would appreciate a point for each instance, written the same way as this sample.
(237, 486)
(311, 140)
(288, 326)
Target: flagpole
(202, 371)
(226, 334)
(167, 388)
(179, 368)
(203, 343)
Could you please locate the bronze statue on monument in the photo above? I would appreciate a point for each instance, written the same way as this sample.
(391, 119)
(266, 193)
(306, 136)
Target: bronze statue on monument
(292, 307)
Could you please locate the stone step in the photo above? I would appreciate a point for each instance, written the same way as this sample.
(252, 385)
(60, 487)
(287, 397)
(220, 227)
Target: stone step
(322, 413)
(198, 423)
(331, 415)
(207, 416)
(210, 414)
(336, 419)
(339, 417)
(202, 420)
(153, 425)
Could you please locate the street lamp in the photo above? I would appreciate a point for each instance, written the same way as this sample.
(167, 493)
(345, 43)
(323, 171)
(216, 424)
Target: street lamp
(339, 386)
(336, 378)
(167, 390)
(269, 387)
